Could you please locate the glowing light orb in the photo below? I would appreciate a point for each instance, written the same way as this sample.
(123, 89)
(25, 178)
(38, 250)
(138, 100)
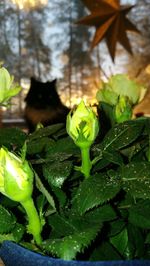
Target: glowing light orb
(29, 4)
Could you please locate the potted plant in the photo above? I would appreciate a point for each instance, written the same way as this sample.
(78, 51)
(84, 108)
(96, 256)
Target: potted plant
(79, 196)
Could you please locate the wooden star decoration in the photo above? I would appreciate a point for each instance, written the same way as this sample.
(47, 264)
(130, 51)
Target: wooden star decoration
(111, 23)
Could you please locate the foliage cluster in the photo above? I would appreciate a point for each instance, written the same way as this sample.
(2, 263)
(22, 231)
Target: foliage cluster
(103, 217)
(89, 206)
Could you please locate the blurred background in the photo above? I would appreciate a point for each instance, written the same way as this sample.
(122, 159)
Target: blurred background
(45, 42)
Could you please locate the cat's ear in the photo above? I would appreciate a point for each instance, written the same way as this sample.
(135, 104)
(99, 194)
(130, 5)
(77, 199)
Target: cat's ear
(53, 82)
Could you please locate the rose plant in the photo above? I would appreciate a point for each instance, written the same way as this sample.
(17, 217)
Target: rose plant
(75, 193)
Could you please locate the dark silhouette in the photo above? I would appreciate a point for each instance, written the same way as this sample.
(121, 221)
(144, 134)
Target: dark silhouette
(43, 105)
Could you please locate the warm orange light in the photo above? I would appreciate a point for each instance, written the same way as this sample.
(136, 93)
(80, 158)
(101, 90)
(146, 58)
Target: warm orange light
(29, 4)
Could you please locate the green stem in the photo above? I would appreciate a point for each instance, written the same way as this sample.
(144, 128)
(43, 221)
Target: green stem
(34, 226)
(86, 162)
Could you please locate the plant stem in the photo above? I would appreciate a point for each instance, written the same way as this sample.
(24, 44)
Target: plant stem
(86, 162)
(34, 226)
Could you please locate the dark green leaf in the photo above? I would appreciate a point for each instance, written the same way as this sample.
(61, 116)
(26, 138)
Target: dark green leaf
(61, 225)
(44, 132)
(136, 241)
(105, 252)
(147, 126)
(101, 164)
(68, 246)
(135, 150)
(100, 214)
(12, 136)
(64, 145)
(18, 232)
(60, 196)
(57, 172)
(139, 214)
(35, 146)
(44, 191)
(136, 179)
(122, 135)
(120, 241)
(59, 157)
(116, 227)
(7, 220)
(94, 191)
(148, 238)
(113, 157)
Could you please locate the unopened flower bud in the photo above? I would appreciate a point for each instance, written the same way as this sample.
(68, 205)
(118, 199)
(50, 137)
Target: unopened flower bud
(7, 88)
(16, 176)
(123, 110)
(120, 85)
(82, 125)
(107, 95)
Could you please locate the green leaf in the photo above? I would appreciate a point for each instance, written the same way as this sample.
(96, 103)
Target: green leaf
(100, 165)
(135, 150)
(59, 157)
(12, 136)
(120, 241)
(136, 244)
(4, 237)
(44, 191)
(44, 132)
(60, 196)
(116, 227)
(113, 157)
(136, 179)
(148, 239)
(105, 252)
(101, 161)
(60, 146)
(100, 214)
(56, 173)
(7, 220)
(61, 225)
(18, 232)
(94, 191)
(122, 135)
(68, 246)
(35, 146)
(139, 214)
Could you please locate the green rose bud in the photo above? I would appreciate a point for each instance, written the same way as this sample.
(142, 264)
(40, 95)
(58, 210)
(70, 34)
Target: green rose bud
(124, 86)
(106, 95)
(120, 85)
(123, 110)
(82, 125)
(16, 176)
(16, 183)
(7, 88)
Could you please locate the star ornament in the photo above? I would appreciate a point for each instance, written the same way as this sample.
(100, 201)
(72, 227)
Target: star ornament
(111, 23)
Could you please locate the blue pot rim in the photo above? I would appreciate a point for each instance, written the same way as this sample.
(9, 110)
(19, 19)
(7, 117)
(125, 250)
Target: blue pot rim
(14, 255)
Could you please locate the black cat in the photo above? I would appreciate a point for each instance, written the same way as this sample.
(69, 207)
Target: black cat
(44, 105)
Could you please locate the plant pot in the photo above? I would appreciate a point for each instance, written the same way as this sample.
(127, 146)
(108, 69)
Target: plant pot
(15, 255)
